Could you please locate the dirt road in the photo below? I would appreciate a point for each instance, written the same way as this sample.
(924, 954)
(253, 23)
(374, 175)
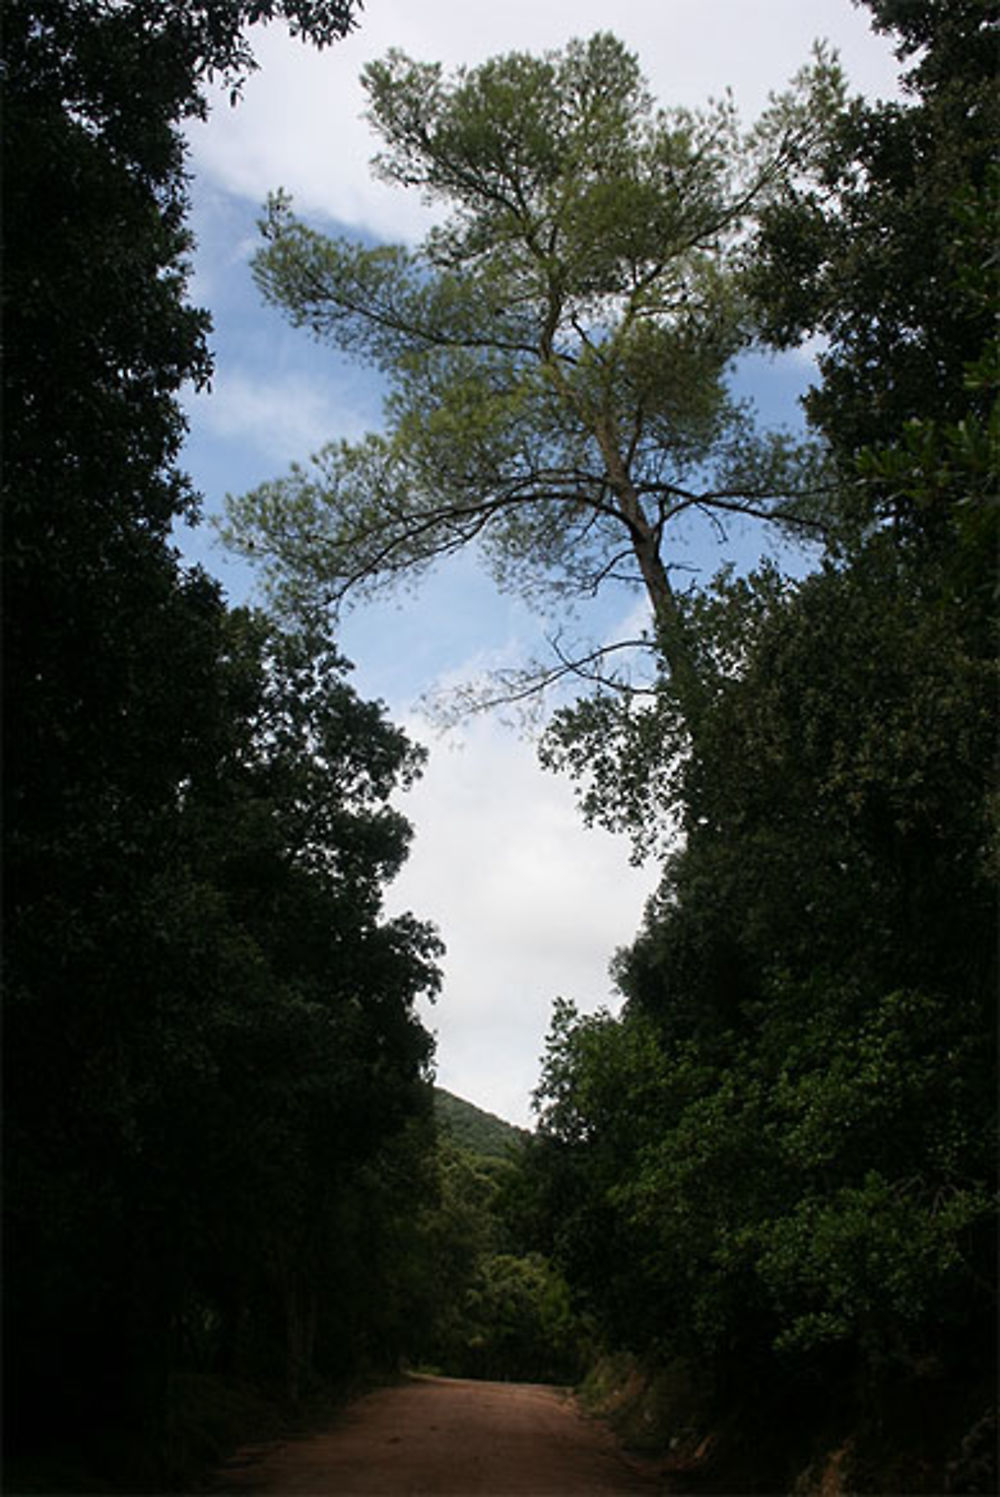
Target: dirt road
(441, 1436)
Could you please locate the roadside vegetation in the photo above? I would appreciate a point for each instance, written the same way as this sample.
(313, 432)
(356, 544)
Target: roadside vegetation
(217, 1094)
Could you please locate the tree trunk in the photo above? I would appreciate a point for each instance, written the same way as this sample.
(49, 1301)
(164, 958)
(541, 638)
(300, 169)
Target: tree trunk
(671, 633)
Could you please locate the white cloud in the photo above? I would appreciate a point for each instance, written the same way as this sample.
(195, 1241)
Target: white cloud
(300, 124)
(531, 904)
(222, 263)
(283, 419)
(807, 352)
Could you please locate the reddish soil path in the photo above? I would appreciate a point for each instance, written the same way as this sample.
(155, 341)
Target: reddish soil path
(441, 1437)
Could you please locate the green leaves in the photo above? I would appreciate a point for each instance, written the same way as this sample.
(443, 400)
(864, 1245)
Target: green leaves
(869, 1263)
(556, 349)
(810, 1179)
(504, 138)
(786, 1134)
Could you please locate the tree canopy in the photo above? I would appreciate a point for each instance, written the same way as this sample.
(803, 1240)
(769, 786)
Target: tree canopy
(784, 1144)
(556, 348)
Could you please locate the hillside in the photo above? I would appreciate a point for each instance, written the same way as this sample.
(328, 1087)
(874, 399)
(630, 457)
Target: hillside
(473, 1129)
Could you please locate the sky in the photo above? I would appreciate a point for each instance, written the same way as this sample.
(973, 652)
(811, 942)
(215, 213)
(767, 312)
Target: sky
(530, 903)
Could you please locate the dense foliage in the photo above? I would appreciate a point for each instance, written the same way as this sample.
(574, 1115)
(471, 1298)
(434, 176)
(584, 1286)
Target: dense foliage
(778, 1164)
(484, 1301)
(213, 1068)
(472, 1129)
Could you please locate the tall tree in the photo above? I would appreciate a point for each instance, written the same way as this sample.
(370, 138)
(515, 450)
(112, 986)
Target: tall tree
(802, 1177)
(315, 1063)
(885, 248)
(557, 347)
(119, 694)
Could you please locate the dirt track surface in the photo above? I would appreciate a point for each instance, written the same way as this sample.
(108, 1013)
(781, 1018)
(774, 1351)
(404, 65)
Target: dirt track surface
(441, 1436)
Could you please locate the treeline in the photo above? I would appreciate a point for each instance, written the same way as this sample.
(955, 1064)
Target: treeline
(473, 1130)
(773, 1174)
(489, 1303)
(217, 1106)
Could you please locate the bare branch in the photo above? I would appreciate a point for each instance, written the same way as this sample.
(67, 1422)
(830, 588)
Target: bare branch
(526, 688)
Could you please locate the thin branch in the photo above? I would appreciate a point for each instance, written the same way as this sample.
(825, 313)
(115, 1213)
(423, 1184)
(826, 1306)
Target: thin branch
(734, 501)
(578, 667)
(513, 689)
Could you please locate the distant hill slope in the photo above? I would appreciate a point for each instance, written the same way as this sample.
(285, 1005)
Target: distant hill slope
(471, 1128)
